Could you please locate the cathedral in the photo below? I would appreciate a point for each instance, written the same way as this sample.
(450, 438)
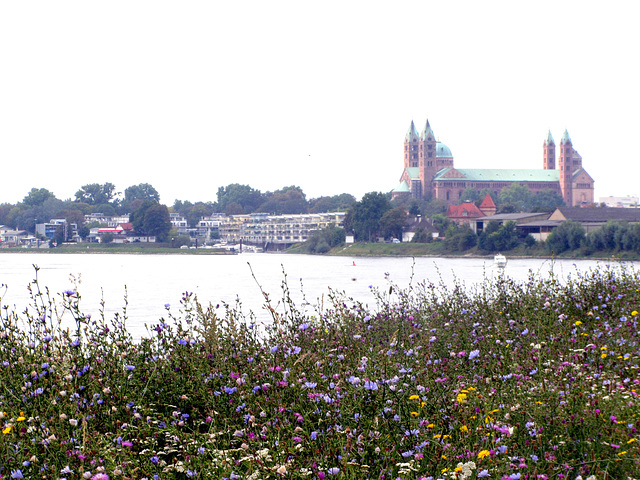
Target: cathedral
(429, 172)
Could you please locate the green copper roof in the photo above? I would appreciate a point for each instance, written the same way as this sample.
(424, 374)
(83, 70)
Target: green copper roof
(414, 173)
(565, 137)
(501, 175)
(549, 140)
(412, 134)
(443, 151)
(427, 132)
(402, 188)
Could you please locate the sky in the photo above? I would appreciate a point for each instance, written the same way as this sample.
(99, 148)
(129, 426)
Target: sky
(191, 96)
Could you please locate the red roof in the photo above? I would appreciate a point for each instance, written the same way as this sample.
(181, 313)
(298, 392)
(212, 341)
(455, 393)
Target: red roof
(466, 210)
(487, 202)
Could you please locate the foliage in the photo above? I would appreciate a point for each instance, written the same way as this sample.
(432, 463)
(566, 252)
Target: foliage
(569, 235)
(288, 200)
(37, 196)
(422, 236)
(498, 238)
(460, 239)
(97, 194)
(142, 191)
(157, 222)
(322, 241)
(364, 216)
(615, 236)
(518, 380)
(392, 223)
(235, 195)
(335, 203)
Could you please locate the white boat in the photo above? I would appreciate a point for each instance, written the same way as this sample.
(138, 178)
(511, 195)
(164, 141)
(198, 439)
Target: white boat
(500, 261)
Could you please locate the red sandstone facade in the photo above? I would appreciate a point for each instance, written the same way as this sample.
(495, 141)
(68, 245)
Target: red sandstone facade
(429, 172)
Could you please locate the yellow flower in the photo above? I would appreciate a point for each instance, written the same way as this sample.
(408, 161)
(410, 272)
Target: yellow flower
(578, 323)
(604, 355)
(414, 397)
(444, 469)
(622, 453)
(462, 397)
(464, 428)
(431, 425)
(6, 430)
(483, 453)
(634, 313)
(21, 418)
(632, 440)
(414, 414)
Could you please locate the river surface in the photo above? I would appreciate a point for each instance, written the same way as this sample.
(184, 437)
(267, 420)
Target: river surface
(151, 282)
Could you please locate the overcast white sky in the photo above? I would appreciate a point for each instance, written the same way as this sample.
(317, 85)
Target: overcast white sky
(190, 96)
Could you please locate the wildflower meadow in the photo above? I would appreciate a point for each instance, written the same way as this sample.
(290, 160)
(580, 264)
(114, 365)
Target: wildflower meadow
(507, 380)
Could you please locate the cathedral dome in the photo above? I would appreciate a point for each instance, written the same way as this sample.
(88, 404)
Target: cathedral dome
(443, 151)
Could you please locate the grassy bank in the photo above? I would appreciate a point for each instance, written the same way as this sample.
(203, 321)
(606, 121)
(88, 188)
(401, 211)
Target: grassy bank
(438, 249)
(534, 380)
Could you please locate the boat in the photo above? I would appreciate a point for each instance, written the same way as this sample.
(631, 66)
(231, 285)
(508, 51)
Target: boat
(500, 261)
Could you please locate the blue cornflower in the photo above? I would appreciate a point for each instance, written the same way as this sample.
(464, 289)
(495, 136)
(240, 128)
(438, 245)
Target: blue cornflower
(130, 367)
(369, 385)
(17, 474)
(474, 354)
(333, 471)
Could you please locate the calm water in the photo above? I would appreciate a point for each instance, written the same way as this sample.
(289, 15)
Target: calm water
(152, 281)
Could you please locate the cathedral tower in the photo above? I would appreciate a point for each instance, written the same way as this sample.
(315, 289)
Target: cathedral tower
(411, 147)
(427, 155)
(549, 153)
(565, 162)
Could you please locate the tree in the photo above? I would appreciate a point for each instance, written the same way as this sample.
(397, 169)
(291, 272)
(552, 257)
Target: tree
(288, 200)
(392, 222)
(97, 194)
(336, 203)
(245, 196)
(569, 235)
(365, 215)
(142, 191)
(497, 238)
(37, 196)
(137, 217)
(514, 198)
(157, 222)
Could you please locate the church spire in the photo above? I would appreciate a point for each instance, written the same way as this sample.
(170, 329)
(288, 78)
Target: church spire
(427, 132)
(549, 140)
(565, 137)
(412, 134)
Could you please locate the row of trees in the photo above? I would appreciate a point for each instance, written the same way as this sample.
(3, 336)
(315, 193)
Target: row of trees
(40, 205)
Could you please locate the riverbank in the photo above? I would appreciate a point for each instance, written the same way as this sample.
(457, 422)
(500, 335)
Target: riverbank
(437, 249)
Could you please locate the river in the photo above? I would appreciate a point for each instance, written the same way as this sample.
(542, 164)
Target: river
(151, 282)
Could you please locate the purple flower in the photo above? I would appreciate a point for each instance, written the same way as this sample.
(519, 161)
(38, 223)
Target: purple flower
(369, 385)
(473, 354)
(155, 459)
(274, 349)
(100, 476)
(483, 473)
(17, 474)
(333, 471)
(130, 367)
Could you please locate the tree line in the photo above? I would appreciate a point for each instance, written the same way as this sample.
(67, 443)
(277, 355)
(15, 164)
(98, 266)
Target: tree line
(146, 212)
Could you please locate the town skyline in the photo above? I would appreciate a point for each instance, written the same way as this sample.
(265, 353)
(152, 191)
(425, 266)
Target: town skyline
(193, 97)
